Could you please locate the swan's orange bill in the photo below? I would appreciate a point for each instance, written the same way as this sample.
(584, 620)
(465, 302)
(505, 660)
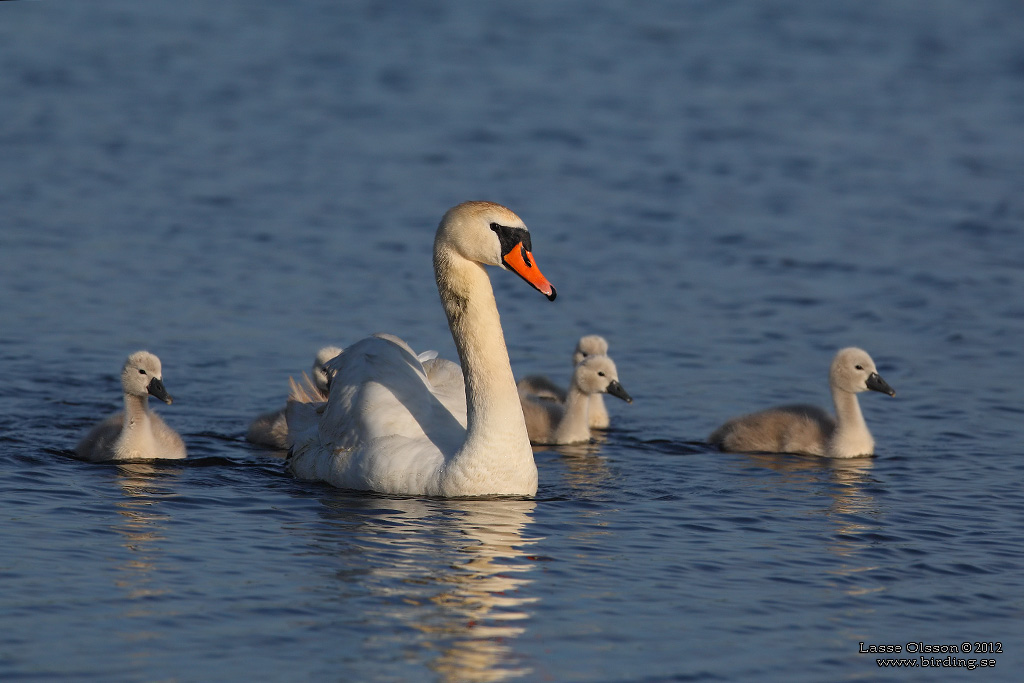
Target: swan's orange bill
(520, 261)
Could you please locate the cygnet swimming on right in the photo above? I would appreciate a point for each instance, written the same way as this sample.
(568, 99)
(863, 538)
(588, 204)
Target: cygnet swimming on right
(271, 429)
(550, 422)
(808, 429)
(540, 387)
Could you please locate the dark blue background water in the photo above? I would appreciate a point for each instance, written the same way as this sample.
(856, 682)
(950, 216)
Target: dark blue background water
(728, 191)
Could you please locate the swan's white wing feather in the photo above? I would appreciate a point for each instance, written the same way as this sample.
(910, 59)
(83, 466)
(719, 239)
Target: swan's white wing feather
(411, 465)
(381, 402)
(449, 385)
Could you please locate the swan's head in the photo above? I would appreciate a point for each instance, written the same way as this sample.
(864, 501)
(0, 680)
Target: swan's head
(598, 375)
(490, 234)
(141, 376)
(321, 375)
(590, 345)
(854, 371)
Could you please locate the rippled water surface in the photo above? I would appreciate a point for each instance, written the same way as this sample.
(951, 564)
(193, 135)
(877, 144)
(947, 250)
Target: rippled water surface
(727, 191)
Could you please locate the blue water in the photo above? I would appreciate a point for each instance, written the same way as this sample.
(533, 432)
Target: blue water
(727, 191)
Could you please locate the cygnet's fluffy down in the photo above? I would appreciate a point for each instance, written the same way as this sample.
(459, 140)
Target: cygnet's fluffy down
(541, 387)
(808, 429)
(271, 429)
(550, 422)
(135, 433)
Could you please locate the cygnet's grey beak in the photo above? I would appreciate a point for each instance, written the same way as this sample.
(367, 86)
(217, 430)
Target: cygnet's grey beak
(615, 389)
(876, 383)
(156, 388)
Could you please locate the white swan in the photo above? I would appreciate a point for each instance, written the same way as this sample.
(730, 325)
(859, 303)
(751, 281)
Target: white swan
(540, 387)
(135, 433)
(809, 429)
(387, 428)
(550, 422)
(271, 429)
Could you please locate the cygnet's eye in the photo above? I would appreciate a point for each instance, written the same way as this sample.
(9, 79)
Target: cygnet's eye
(600, 374)
(141, 371)
(859, 367)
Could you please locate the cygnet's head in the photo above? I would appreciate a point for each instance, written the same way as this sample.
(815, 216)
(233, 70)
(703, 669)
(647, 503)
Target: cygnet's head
(590, 345)
(321, 375)
(853, 371)
(492, 235)
(598, 375)
(142, 376)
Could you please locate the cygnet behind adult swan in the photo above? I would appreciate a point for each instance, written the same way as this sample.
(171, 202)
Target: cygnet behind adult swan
(386, 428)
(549, 422)
(135, 433)
(540, 387)
(271, 429)
(809, 429)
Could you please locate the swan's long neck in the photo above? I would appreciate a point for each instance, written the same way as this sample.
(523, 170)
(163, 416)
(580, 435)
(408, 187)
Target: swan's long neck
(497, 447)
(851, 436)
(575, 423)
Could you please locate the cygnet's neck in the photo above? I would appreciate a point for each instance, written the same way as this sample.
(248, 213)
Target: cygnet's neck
(575, 423)
(136, 438)
(136, 410)
(598, 415)
(497, 445)
(851, 436)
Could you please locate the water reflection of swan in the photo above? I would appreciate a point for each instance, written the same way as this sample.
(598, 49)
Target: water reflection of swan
(456, 571)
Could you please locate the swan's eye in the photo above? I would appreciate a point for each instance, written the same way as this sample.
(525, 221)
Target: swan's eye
(510, 238)
(859, 367)
(141, 371)
(600, 374)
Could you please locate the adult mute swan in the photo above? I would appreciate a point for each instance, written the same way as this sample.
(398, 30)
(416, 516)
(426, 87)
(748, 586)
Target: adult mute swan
(540, 387)
(271, 429)
(550, 422)
(809, 429)
(387, 427)
(135, 433)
